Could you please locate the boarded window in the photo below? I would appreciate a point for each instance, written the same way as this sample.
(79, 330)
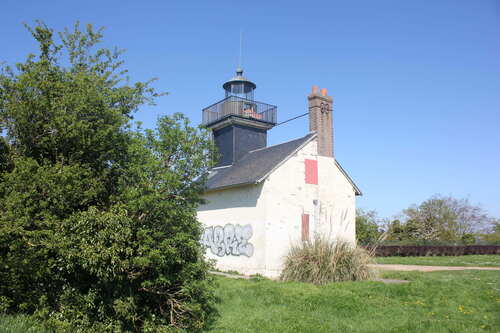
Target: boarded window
(311, 172)
(305, 227)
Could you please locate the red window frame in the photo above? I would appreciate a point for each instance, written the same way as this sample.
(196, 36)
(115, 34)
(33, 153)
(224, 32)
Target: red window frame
(305, 227)
(311, 170)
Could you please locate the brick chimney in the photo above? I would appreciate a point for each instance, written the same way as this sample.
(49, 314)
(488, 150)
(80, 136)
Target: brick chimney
(321, 120)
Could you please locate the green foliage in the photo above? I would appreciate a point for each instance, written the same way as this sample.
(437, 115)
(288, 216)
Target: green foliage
(5, 159)
(98, 228)
(440, 219)
(493, 235)
(323, 261)
(396, 231)
(367, 231)
(493, 238)
(468, 239)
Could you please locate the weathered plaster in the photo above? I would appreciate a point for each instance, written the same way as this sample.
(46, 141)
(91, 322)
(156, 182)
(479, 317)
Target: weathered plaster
(274, 208)
(243, 206)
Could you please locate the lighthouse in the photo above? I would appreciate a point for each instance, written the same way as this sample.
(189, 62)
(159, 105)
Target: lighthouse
(239, 123)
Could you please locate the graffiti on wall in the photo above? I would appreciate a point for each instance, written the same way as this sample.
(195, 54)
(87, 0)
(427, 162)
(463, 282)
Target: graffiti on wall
(230, 240)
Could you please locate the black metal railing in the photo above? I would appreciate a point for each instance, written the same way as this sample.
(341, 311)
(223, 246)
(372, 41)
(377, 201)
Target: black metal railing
(234, 105)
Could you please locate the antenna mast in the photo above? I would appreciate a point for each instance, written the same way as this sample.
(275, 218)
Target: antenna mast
(241, 47)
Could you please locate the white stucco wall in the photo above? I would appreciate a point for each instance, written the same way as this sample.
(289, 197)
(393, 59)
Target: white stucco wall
(338, 202)
(274, 209)
(330, 205)
(237, 206)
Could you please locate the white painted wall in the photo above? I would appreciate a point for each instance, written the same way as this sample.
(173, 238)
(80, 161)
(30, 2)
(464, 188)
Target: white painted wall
(274, 209)
(238, 206)
(338, 202)
(287, 197)
(330, 205)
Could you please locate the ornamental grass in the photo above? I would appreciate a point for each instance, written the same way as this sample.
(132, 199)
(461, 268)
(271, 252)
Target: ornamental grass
(323, 261)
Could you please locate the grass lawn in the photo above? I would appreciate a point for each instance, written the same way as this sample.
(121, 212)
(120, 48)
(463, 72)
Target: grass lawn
(457, 301)
(20, 324)
(469, 260)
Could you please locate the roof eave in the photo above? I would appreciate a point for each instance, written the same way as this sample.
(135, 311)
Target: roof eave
(357, 191)
(208, 190)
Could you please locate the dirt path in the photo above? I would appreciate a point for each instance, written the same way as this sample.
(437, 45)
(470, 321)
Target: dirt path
(231, 275)
(421, 268)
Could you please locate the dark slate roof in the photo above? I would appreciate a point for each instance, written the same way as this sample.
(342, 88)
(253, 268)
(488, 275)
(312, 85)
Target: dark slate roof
(255, 165)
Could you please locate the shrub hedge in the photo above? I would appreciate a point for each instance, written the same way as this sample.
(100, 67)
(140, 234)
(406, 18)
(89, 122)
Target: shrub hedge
(432, 250)
(98, 224)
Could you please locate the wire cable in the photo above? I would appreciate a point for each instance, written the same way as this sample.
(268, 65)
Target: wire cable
(302, 115)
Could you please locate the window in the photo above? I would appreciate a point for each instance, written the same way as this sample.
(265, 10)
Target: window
(311, 171)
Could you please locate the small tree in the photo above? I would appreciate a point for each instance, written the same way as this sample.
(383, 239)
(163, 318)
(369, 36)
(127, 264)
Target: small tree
(492, 235)
(444, 219)
(367, 230)
(396, 230)
(98, 228)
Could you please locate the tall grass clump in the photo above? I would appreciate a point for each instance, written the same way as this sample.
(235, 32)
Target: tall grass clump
(323, 261)
(20, 324)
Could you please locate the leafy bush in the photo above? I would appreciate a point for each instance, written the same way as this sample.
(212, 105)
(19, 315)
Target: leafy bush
(98, 228)
(367, 229)
(468, 239)
(323, 261)
(491, 237)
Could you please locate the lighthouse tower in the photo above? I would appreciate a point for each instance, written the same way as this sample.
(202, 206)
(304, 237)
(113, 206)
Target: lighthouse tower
(238, 122)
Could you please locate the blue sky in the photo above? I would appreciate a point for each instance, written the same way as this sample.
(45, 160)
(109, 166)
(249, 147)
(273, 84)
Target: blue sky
(416, 84)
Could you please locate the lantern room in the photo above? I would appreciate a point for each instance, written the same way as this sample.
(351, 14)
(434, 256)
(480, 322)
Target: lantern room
(239, 86)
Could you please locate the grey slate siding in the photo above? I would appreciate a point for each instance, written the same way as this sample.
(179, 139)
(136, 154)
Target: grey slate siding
(224, 141)
(234, 141)
(247, 139)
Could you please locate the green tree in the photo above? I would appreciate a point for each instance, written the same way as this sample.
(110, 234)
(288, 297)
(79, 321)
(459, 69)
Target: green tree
(468, 239)
(493, 234)
(5, 161)
(441, 218)
(98, 228)
(396, 231)
(367, 230)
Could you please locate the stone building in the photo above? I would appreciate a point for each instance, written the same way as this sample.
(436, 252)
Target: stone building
(261, 199)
